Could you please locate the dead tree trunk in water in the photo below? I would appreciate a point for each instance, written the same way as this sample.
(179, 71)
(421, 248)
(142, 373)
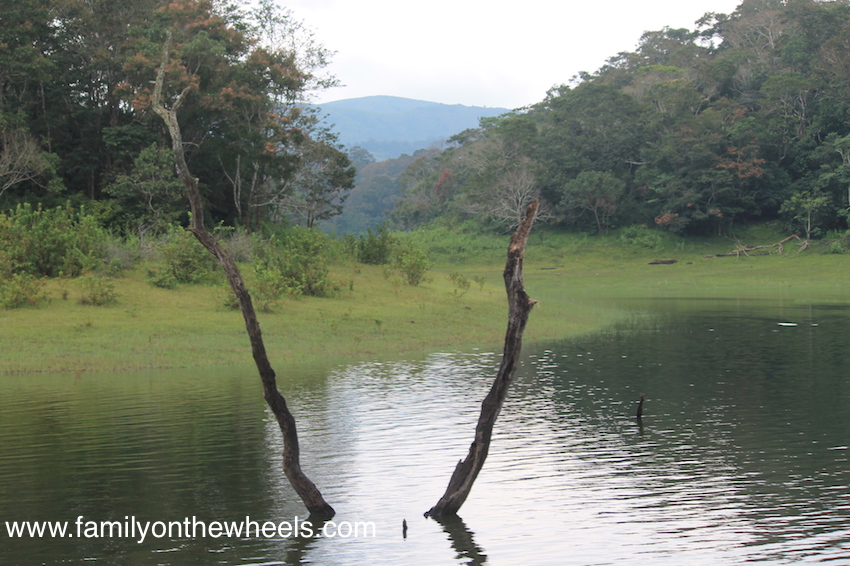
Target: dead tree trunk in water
(519, 307)
(306, 489)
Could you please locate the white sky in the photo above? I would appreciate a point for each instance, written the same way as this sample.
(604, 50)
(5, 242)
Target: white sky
(481, 52)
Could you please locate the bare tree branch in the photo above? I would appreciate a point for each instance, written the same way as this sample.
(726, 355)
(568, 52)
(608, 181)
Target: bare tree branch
(21, 158)
(519, 307)
(305, 488)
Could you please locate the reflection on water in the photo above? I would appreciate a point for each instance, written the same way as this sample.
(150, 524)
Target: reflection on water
(742, 453)
(462, 541)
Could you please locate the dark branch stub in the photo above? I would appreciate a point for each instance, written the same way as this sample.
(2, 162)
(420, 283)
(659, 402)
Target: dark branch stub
(306, 489)
(519, 307)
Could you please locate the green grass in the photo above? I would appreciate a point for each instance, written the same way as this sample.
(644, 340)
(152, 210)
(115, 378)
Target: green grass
(581, 282)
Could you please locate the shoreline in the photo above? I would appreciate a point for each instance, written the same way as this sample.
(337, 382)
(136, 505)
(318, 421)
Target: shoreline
(151, 329)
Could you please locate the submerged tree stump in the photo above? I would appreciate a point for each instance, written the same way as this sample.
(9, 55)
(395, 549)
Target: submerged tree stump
(306, 489)
(519, 307)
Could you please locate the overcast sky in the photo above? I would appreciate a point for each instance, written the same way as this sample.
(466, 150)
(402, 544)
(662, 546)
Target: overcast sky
(481, 52)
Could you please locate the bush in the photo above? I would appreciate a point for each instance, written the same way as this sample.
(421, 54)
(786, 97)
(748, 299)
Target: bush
(461, 283)
(227, 298)
(293, 263)
(119, 255)
(270, 287)
(411, 264)
(19, 290)
(96, 291)
(185, 259)
(8, 265)
(640, 236)
(463, 244)
(239, 243)
(52, 242)
(375, 248)
(836, 247)
(162, 278)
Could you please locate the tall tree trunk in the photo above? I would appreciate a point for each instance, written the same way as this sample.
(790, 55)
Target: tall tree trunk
(305, 488)
(519, 307)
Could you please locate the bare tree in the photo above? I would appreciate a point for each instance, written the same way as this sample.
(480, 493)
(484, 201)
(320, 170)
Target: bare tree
(506, 184)
(306, 489)
(21, 158)
(519, 307)
(508, 198)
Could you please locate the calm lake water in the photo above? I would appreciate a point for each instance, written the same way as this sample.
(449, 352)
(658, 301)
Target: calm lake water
(742, 454)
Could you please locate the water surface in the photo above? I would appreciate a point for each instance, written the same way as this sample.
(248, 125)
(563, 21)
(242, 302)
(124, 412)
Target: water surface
(742, 455)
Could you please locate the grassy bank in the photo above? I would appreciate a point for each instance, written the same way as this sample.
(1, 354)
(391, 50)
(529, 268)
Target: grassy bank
(578, 280)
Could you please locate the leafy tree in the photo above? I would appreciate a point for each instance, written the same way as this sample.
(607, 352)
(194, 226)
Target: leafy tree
(804, 210)
(427, 188)
(593, 127)
(151, 195)
(321, 183)
(594, 192)
(360, 157)
(702, 128)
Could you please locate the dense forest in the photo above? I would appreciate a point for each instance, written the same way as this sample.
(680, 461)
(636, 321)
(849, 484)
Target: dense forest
(76, 124)
(746, 117)
(743, 118)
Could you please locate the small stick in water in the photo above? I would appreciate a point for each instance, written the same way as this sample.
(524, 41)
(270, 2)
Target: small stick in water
(640, 406)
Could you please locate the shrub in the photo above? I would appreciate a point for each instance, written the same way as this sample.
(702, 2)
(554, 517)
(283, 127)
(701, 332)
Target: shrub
(227, 298)
(162, 278)
(239, 243)
(461, 283)
(411, 263)
(640, 236)
(53, 241)
(96, 291)
(467, 243)
(185, 259)
(119, 255)
(294, 263)
(375, 248)
(269, 288)
(19, 290)
(836, 247)
(8, 265)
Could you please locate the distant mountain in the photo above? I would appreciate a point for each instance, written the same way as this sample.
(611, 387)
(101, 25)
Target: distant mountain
(388, 126)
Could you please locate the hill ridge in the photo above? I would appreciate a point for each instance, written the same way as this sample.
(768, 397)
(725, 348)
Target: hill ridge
(388, 126)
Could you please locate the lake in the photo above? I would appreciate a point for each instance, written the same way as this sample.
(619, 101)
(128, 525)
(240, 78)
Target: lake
(741, 456)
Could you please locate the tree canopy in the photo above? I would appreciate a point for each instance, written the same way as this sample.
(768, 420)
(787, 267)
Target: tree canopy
(76, 123)
(744, 117)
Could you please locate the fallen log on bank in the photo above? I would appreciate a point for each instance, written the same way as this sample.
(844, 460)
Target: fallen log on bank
(745, 250)
(519, 307)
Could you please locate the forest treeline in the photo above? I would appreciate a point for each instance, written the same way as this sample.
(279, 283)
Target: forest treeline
(76, 124)
(88, 187)
(743, 118)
